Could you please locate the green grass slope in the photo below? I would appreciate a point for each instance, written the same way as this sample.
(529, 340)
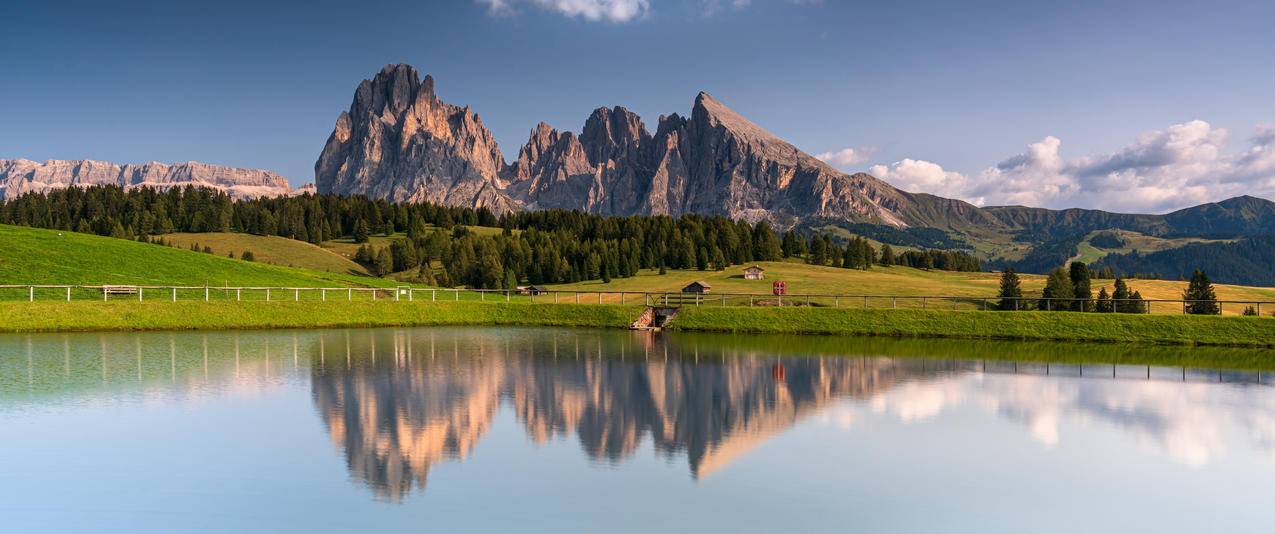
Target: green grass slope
(1031, 326)
(902, 281)
(270, 249)
(35, 256)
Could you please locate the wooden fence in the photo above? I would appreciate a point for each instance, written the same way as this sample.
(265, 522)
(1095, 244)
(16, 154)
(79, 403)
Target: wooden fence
(68, 293)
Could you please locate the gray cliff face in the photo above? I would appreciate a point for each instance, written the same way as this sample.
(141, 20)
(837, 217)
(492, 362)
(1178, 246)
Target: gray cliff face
(22, 176)
(399, 141)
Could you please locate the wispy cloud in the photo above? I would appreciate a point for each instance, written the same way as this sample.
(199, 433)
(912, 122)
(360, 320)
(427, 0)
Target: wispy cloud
(594, 10)
(617, 11)
(847, 158)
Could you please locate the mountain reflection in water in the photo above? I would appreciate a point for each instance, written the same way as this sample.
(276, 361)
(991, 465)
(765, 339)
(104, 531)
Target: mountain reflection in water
(397, 404)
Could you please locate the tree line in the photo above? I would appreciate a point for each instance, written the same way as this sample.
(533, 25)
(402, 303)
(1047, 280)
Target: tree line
(858, 253)
(441, 245)
(1070, 290)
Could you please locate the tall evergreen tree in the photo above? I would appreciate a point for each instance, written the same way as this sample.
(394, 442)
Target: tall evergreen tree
(1011, 291)
(361, 231)
(1120, 297)
(1058, 291)
(1103, 304)
(887, 255)
(766, 246)
(1200, 297)
(818, 250)
(1080, 285)
(384, 262)
(1138, 305)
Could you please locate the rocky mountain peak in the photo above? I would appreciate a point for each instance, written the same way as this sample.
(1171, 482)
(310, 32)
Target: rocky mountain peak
(399, 141)
(613, 134)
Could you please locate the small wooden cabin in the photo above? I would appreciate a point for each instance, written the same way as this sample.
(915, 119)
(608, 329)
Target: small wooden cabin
(698, 287)
(533, 290)
(754, 273)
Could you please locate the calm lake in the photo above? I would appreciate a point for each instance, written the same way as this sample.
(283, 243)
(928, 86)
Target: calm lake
(505, 429)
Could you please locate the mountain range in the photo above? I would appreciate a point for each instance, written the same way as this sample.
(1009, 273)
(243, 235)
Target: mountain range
(18, 176)
(399, 140)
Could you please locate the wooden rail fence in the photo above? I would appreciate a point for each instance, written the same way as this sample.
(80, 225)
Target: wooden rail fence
(142, 293)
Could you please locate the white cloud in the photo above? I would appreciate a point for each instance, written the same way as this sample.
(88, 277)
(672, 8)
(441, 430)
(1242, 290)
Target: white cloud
(923, 176)
(1183, 165)
(847, 157)
(594, 10)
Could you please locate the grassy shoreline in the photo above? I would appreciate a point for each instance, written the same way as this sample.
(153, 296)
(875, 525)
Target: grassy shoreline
(153, 316)
(1019, 326)
(1022, 326)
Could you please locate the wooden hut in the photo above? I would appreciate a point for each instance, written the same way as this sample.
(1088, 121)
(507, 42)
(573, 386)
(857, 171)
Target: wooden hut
(698, 287)
(754, 273)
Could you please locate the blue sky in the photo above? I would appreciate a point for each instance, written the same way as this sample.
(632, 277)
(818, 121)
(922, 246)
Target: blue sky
(1142, 106)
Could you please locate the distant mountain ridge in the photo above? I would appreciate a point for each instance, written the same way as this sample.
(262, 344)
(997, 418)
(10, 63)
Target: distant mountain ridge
(18, 176)
(399, 141)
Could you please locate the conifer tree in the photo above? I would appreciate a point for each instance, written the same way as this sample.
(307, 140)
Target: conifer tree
(1010, 291)
(1200, 297)
(1058, 291)
(1120, 297)
(1081, 289)
(887, 255)
(818, 251)
(1103, 305)
(384, 262)
(361, 231)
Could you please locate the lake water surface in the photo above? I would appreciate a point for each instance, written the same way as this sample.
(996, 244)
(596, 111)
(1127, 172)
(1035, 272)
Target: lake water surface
(530, 430)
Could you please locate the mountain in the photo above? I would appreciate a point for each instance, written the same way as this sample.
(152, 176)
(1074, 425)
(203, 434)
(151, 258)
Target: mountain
(18, 176)
(1245, 261)
(399, 141)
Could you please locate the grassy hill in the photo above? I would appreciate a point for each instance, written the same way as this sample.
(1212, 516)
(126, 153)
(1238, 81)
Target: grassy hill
(271, 249)
(345, 247)
(1089, 252)
(895, 280)
(34, 256)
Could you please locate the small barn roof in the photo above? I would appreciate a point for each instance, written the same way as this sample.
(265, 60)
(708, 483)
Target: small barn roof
(751, 267)
(700, 283)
